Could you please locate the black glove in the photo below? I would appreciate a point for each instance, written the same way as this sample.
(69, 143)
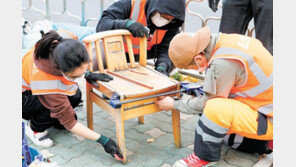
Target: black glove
(162, 69)
(213, 4)
(137, 29)
(93, 77)
(110, 146)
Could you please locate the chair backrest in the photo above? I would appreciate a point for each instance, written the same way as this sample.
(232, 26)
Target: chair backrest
(113, 43)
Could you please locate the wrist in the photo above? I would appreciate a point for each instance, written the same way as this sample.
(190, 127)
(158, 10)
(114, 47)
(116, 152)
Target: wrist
(129, 22)
(161, 67)
(102, 140)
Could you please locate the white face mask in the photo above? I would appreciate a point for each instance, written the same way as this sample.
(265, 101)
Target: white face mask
(76, 80)
(159, 21)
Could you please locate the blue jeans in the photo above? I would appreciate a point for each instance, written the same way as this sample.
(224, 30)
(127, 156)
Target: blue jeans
(236, 15)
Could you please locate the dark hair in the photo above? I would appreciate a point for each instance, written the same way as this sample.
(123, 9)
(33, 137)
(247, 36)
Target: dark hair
(67, 54)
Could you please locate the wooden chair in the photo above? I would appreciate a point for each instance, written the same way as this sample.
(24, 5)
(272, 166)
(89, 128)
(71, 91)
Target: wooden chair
(133, 82)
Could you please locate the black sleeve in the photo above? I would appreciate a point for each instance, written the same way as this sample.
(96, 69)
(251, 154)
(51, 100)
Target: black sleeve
(163, 49)
(115, 17)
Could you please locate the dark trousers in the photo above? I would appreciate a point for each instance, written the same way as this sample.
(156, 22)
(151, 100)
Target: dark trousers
(39, 116)
(236, 15)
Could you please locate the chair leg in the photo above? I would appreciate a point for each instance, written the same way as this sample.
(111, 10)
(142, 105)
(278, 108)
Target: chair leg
(141, 120)
(176, 128)
(89, 107)
(120, 132)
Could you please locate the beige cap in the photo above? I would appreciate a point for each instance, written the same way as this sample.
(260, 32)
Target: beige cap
(185, 46)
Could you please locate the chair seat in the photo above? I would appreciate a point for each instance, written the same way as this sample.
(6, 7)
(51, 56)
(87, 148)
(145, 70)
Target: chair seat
(143, 74)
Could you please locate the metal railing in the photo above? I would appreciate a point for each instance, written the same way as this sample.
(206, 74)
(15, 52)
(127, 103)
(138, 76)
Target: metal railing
(48, 14)
(84, 21)
(204, 21)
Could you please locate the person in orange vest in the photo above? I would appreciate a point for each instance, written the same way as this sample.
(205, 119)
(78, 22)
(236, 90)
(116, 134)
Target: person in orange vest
(159, 20)
(237, 104)
(50, 73)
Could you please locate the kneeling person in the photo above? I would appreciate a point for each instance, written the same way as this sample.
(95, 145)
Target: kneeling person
(238, 97)
(50, 74)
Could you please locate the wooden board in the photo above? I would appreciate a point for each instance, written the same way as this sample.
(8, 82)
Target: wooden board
(153, 78)
(114, 53)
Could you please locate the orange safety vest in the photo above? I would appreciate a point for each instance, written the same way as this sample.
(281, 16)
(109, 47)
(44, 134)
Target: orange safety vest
(138, 14)
(257, 91)
(40, 82)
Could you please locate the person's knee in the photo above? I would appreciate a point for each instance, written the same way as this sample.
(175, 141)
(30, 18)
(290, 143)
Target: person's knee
(219, 110)
(216, 106)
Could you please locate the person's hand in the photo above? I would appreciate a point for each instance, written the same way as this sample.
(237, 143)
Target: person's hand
(165, 103)
(213, 4)
(110, 147)
(137, 29)
(93, 77)
(162, 69)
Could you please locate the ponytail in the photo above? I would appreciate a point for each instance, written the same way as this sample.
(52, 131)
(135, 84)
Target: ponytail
(47, 44)
(66, 54)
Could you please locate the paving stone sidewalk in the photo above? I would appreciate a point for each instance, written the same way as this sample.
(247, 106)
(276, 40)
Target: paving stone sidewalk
(71, 150)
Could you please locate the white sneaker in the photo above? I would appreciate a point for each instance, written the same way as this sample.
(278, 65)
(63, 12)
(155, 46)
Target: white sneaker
(40, 139)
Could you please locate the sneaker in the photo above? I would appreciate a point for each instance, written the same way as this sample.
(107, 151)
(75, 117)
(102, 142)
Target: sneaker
(40, 139)
(193, 161)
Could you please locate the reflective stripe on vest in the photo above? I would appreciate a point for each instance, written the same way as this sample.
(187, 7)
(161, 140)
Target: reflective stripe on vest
(135, 9)
(266, 109)
(53, 84)
(40, 82)
(265, 81)
(138, 14)
(25, 86)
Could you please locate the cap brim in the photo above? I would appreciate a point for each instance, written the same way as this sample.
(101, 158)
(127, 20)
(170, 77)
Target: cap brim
(203, 35)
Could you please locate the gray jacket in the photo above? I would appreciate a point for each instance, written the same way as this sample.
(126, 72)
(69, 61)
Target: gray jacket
(220, 78)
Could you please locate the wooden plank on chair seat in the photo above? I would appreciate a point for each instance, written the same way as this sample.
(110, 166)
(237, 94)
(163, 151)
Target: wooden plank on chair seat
(129, 79)
(157, 81)
(139, 95)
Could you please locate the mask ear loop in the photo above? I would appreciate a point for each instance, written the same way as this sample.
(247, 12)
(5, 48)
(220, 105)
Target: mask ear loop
(201, 59)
